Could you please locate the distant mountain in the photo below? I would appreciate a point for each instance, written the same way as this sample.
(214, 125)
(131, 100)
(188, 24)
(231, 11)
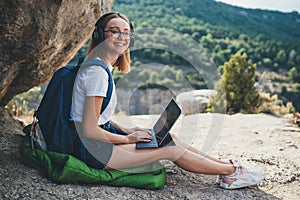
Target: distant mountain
(271, 39)
(272, 24)
(250, 21)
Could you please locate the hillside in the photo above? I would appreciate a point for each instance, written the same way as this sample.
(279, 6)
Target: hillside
(270, 39)
(273, 24)
(177, 34)
(236, 20)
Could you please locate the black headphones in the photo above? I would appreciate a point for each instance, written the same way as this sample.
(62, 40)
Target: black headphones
(98, 34)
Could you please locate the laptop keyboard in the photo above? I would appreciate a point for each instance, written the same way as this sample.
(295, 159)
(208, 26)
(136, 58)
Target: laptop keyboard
(151, 144)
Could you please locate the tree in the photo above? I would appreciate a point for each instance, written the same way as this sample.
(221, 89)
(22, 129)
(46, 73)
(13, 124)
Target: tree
(293, 74)
(281, 57)
(235, 90)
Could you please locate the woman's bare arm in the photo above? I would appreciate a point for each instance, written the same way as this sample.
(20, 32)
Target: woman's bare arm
(93, 131)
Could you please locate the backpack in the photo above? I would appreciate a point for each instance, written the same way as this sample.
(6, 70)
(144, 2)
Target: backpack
(54, 130)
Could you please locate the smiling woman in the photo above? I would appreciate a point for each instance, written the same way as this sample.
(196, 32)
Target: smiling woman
(111, 24)
(117, 32)
(108, 145)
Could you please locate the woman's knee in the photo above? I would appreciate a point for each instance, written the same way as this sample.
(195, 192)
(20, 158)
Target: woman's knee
(173, 152)
(176, 139)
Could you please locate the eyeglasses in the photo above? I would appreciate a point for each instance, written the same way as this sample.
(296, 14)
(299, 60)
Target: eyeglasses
(117, 34)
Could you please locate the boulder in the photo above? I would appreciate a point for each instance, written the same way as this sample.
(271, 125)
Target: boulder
(195, 101)
(10, 134)
(37, 38)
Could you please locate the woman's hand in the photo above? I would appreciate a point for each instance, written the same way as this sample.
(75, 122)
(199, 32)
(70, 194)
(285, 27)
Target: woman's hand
(127, 131)
(139, 135)
(131, 130)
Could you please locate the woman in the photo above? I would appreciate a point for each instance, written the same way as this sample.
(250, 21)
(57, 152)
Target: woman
(110, 43)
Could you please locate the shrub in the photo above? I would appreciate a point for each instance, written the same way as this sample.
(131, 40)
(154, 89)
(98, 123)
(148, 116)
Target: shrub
(235, 90)
(273, 105)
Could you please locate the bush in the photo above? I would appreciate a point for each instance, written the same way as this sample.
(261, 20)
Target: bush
(24, 104)
(273, 105)
(235, 90)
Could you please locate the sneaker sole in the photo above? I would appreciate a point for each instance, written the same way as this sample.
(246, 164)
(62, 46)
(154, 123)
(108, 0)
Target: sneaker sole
(225, 186)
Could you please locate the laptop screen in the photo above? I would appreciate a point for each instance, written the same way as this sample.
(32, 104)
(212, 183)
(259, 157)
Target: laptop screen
(166, 120)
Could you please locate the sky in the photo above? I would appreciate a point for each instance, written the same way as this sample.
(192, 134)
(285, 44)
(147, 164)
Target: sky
(280, 5)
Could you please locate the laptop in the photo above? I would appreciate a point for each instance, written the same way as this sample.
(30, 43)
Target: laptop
(160, 132)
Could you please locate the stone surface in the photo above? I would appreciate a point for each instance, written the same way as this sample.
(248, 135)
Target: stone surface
(143, 101)
(38, 37)
(10, 135)
(195, 101)
(259, 140)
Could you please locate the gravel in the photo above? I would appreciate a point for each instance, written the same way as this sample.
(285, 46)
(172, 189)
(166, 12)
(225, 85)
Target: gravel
(265, 141)
(21, 182)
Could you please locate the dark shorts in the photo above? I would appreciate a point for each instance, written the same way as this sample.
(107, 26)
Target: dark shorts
(94, 153)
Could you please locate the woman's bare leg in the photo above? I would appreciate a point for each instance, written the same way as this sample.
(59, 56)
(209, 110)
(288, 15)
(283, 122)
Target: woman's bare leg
(193, 149)
(126, 156)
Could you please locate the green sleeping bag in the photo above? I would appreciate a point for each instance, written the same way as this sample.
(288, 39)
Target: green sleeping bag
(63, 168)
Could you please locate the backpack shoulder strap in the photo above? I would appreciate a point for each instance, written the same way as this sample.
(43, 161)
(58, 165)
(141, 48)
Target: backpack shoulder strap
(97, 62)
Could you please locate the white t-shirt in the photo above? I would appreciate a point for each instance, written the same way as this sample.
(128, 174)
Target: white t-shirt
(92, 81)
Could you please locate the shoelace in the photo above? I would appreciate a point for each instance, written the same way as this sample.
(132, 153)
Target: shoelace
(239, 168)
(242, 169)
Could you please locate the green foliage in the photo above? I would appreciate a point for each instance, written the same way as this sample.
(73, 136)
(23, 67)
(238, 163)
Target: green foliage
(294, 75)
(268, 37)
(25, 103)
(196, 80)
(271, 39)
(151, 76)
(235, 90)
(272, 105)
(292, 94)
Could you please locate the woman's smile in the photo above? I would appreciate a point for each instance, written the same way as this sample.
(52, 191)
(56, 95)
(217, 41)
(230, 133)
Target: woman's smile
(116, 41)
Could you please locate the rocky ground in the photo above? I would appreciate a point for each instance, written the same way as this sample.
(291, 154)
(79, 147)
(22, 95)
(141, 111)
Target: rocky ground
(260, 140)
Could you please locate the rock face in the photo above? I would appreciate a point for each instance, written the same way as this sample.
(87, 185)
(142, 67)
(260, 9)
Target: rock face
(10, 135)
(195, 101)
(38, 37)
(143, 101)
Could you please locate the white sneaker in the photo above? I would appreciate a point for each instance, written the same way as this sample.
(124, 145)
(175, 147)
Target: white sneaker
(242, 177)
(235, 163)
